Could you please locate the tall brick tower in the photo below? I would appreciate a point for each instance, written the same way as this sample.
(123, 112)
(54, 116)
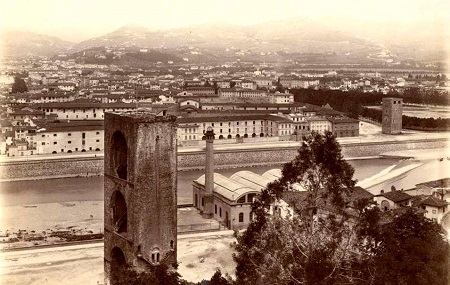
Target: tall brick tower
(209, 175)
(140, 192)
(392, 116)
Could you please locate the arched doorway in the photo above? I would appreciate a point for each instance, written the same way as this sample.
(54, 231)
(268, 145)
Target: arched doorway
(119, 207)
(119, 154)
(385, 205)
(118, 266)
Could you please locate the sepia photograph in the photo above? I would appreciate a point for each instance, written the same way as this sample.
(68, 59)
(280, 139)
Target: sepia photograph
(212, 142)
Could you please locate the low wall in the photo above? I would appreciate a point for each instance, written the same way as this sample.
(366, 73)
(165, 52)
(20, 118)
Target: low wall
(55, 168)
(43, 169)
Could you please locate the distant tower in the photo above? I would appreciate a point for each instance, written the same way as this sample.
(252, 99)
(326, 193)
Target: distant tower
(140, 192)
(208, 200)
(392, 116)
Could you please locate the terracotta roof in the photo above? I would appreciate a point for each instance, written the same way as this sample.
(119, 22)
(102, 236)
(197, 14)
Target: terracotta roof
(428, 201)
(343, 120)
(396, 196)
(66, 126)
(83, 103)
(26, 112)
(199, 88)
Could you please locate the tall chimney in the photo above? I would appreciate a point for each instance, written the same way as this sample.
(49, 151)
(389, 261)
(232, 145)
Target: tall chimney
(209, 174)
(209, 167)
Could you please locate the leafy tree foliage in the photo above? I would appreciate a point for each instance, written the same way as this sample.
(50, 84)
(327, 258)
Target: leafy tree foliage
(405, 248)
(156, 275)
(352, 101)
(217, 279)
(309, 248)
(19, 85)
(326, 242)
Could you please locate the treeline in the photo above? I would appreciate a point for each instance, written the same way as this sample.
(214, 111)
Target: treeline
(408, 122)
(353, 103)
(427, 97)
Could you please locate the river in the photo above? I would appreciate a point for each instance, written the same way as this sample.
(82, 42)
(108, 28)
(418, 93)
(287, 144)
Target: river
(91, 188)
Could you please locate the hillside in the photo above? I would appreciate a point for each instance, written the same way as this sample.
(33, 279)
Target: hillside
(130, 56)
(17, 44)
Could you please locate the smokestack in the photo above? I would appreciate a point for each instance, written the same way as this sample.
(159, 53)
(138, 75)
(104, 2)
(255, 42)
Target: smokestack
(208, 197)
(209, 167)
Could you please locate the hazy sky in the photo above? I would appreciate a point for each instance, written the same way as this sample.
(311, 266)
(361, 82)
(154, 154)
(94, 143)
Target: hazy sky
(80, 19)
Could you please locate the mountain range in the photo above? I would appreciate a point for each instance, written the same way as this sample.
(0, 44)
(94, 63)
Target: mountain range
(303, 36)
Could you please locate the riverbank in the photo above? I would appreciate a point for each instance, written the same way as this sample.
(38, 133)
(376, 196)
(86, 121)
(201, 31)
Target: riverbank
(199, 255)
(225, 156)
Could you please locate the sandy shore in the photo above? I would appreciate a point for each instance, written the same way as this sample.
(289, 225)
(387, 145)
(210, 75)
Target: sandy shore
(199, 256)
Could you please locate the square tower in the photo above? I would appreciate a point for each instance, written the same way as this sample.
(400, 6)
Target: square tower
(392, 116)
(140, 191)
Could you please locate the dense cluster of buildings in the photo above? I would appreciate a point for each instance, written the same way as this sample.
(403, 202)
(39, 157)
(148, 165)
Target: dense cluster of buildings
(66, 100)
(63, 110)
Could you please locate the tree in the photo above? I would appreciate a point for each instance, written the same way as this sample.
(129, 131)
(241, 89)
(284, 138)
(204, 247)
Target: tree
(19, 85)
(414, 246)
(157, 275)
(309, 248)
(330, 241)
(217, 279)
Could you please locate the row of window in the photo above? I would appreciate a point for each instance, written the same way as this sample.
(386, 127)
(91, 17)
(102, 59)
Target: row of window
(87, 116)
(76, 149)
(240, 215)
(229, 123)
(83, 135)
(237, 130)
(69, 142)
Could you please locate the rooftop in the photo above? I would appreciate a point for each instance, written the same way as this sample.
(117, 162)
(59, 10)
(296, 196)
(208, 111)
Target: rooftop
(428, 201)
(396, 196)
(227, 187)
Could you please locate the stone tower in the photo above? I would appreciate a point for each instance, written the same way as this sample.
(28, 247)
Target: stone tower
(392, 116)
(209, 175)
(140, 192)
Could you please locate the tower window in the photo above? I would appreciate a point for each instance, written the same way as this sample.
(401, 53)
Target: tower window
(119, 152)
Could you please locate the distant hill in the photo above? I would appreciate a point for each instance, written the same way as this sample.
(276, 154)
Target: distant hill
(130, 56)
(17, 44)
(301, 40)
(301, 37)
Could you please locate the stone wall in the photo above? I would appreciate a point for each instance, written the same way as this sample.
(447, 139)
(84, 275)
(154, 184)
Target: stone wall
(42, 169)
(196, 159)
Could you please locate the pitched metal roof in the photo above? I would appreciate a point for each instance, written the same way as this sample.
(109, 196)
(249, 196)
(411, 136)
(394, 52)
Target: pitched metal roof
(250, 179)
(227, 187)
